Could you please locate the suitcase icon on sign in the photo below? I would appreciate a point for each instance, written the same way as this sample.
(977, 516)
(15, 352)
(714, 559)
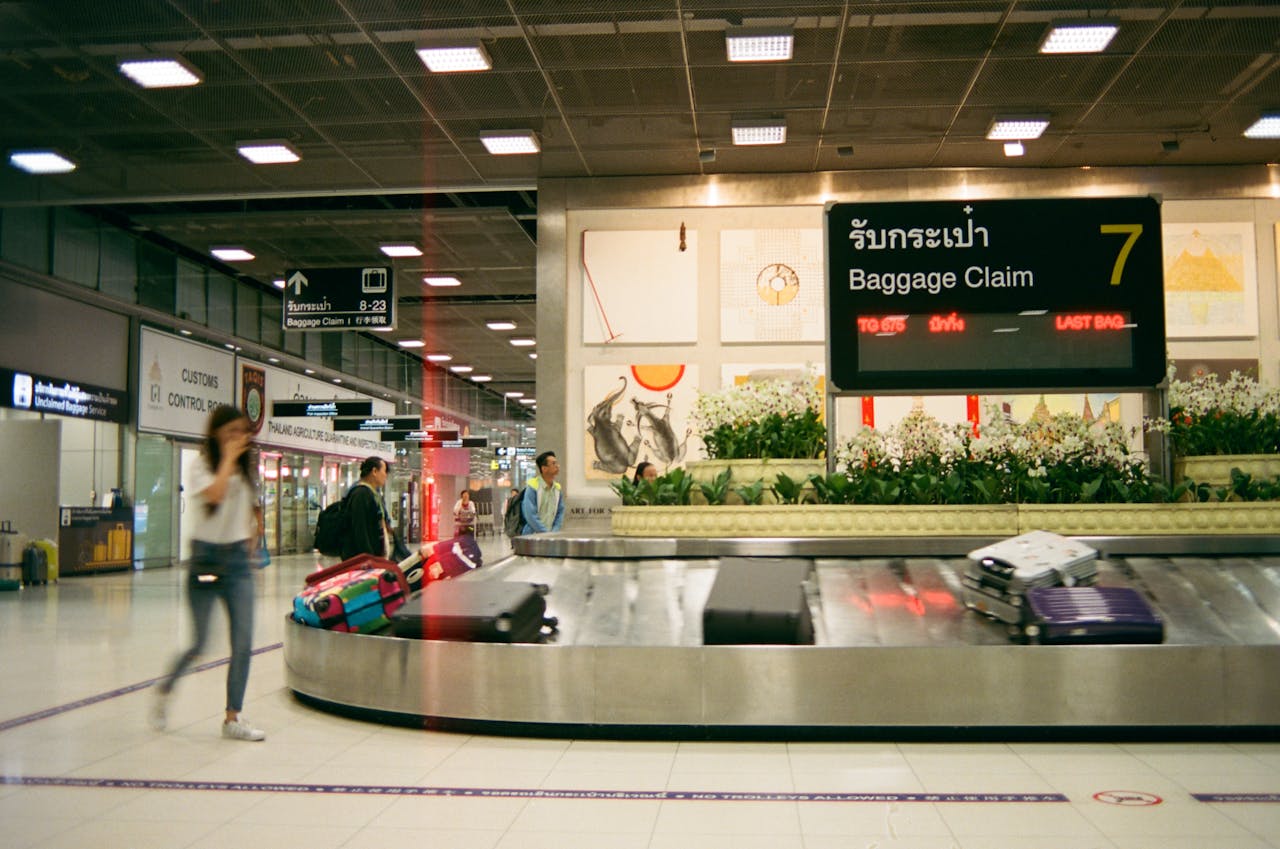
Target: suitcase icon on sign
(373, 281)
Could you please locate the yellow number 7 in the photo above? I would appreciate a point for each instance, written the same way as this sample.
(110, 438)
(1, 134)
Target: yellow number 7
(1134, 231)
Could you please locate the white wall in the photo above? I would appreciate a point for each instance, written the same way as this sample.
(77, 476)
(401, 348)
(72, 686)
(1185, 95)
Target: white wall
(90, 460)
(29, 496)
(720, 202)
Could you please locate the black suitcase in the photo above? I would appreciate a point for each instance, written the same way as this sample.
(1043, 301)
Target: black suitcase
(758, 600)
(35, 565)
(475, 611)
(1065, 615)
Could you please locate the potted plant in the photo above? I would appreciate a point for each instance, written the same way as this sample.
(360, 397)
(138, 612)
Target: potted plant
(1216, 426)
(759, 429)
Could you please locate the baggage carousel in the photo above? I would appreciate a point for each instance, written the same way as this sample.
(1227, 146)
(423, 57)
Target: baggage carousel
(896, 653)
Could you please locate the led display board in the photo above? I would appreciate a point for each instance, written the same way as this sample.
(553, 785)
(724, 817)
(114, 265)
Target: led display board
(967, 296)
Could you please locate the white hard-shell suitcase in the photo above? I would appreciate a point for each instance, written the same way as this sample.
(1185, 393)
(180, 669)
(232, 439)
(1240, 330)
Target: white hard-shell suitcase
(1033, 559)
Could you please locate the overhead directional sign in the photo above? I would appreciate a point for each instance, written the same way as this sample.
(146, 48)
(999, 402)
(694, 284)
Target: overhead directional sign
(376, 423)
(320, 409)
(358, 298)
(448, 438)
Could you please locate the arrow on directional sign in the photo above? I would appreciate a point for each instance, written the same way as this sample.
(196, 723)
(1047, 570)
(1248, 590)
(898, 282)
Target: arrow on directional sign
(297, 280)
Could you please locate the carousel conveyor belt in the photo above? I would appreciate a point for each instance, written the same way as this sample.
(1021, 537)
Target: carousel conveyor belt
(896, 651)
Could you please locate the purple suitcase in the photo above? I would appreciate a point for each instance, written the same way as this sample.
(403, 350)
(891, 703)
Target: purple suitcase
(1065, 615)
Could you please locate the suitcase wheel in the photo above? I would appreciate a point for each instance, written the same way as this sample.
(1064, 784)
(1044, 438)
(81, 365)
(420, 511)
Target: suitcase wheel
(503, 623)
(551, 623)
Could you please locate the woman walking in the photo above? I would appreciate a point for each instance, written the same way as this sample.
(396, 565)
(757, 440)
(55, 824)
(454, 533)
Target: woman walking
(227, 522)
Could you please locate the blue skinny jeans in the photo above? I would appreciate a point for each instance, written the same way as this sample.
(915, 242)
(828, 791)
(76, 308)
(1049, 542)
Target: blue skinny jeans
(235, 588)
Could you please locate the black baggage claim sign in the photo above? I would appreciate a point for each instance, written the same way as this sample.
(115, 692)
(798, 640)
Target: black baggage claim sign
(967, 296)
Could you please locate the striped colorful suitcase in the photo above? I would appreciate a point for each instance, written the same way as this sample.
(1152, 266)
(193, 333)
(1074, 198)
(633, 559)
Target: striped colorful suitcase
(356, 596)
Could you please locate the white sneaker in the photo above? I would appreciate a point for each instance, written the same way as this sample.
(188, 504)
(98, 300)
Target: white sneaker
(158, 715)
(241, 730)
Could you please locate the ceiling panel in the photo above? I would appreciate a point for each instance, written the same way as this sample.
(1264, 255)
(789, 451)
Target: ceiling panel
(612, 88)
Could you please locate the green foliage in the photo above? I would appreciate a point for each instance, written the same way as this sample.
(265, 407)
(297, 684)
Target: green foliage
(750, 493)
(787, 490)
(835, 488)
(718, 490)
(774, 436)
(672, 489)
(627, 491)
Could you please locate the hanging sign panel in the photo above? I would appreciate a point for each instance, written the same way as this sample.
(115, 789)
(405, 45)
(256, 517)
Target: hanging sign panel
(360, 298)
(420, 435)
(376, 423)
(984, 295)
(320, 409)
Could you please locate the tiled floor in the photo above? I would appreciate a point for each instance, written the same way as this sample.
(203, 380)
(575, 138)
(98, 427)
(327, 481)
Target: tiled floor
(81, 767)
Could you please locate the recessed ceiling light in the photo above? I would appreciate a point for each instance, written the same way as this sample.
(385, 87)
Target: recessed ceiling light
(268, 152)
(337, 380)
(461, 369)
(400, 249)
(507, 142)
(442, 281)
(1017, 128)
(230, 254)
(273, 359)
(309, 371)
(412, 343)
(41, 162)
(278, 282)
(439, 358)
(513, 394)
(500, 325)
(482, 378)
(1014, 148)
(528, 400)
(758, 44)
(159, 72)
(755, 131)
(1082, 37)
(184, 331)
(523, 342)
(1266, 127)
(533, 355)
(452, 58)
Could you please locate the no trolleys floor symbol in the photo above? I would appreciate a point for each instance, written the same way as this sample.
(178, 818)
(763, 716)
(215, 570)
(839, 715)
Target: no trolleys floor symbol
(1128, 798)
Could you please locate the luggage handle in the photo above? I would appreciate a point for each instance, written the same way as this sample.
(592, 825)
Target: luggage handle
(361, 561)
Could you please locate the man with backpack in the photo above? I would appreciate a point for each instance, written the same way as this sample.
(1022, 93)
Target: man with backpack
(358, 523)
(542, 504)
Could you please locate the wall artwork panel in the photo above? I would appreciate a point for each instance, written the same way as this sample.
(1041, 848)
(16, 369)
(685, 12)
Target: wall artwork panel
(1210, 280)
(771, 285)
(635, 413)
(639, 286)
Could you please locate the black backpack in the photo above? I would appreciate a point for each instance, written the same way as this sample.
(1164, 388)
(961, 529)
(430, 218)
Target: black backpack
(514, 520)
(331, 528)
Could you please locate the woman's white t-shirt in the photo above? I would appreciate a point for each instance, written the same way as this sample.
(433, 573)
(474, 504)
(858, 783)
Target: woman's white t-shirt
(233, 519)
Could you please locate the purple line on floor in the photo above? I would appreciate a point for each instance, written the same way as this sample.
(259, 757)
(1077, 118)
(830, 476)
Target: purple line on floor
(123, 691)
(1237, 797)
(520, 793)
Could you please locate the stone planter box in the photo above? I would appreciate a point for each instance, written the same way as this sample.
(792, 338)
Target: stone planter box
(999, 520)
(815, 520)
(1228, 517)
(1216, 468)
(746, 472)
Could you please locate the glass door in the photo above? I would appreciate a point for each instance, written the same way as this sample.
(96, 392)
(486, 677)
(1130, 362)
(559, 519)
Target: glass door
(269, 482)
(154, 497)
